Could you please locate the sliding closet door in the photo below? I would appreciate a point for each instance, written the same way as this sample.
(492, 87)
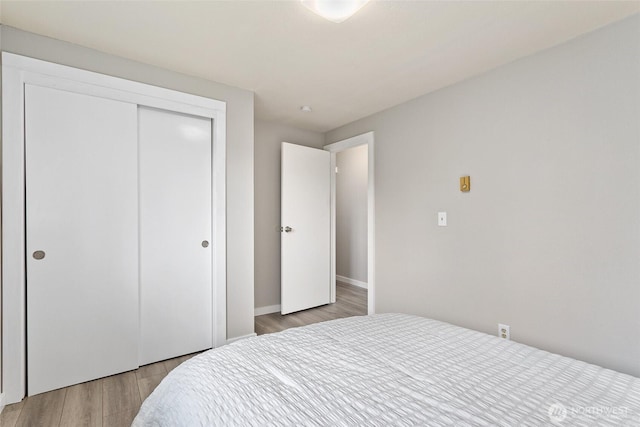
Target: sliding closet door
(82, 237)
(175, 234)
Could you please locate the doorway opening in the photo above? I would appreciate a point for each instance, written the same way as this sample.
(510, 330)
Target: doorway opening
(308, 237)
(352, 219)
(351, 227)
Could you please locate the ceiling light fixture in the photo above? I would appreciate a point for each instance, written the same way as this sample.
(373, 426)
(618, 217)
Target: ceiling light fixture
(305, 109)
(334, 10)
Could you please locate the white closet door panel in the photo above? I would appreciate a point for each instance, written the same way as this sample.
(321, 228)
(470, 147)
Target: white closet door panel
(81, 210)
(175, 220)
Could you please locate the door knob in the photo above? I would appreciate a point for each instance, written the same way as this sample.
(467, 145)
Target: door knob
(288, 229)
(38, 255)
(205, 243)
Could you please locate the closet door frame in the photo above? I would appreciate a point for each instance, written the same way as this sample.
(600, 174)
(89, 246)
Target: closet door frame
(17, 71)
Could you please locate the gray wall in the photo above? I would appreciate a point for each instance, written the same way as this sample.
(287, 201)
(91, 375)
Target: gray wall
(1, 350)
(548, 239)
(351, 213)
(269, 138)
(240, 209)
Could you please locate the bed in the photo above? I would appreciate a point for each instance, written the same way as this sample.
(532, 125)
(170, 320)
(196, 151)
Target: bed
(389, 370)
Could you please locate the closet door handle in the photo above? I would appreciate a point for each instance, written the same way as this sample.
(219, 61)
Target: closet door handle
(39, 255)
(205, 243)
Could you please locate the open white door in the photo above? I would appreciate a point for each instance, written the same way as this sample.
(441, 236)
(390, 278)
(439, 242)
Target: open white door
(306, 227)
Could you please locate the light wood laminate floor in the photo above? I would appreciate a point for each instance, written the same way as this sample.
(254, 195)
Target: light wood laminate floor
(350, 301)
(108, 402)
(114, 401)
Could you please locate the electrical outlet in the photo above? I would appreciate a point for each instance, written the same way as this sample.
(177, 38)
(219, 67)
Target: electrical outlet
(503, 331)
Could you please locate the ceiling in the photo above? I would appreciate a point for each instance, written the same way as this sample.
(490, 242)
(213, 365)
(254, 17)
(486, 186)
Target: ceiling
(388, 53)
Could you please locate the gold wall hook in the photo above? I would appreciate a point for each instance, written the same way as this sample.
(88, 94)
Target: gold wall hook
(465, 183)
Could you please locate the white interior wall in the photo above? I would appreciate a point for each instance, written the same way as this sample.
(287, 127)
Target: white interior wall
(268, 142)
(351, 213)
(548, 239)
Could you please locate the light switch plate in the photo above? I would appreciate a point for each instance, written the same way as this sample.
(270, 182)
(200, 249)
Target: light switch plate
(442, 219)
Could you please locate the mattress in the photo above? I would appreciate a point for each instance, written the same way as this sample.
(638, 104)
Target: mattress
(389, 370)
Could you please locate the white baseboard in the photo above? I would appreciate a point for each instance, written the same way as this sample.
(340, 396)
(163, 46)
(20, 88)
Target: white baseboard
(353, 282)
(1, 402)
(259, 311)
(230, 340)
